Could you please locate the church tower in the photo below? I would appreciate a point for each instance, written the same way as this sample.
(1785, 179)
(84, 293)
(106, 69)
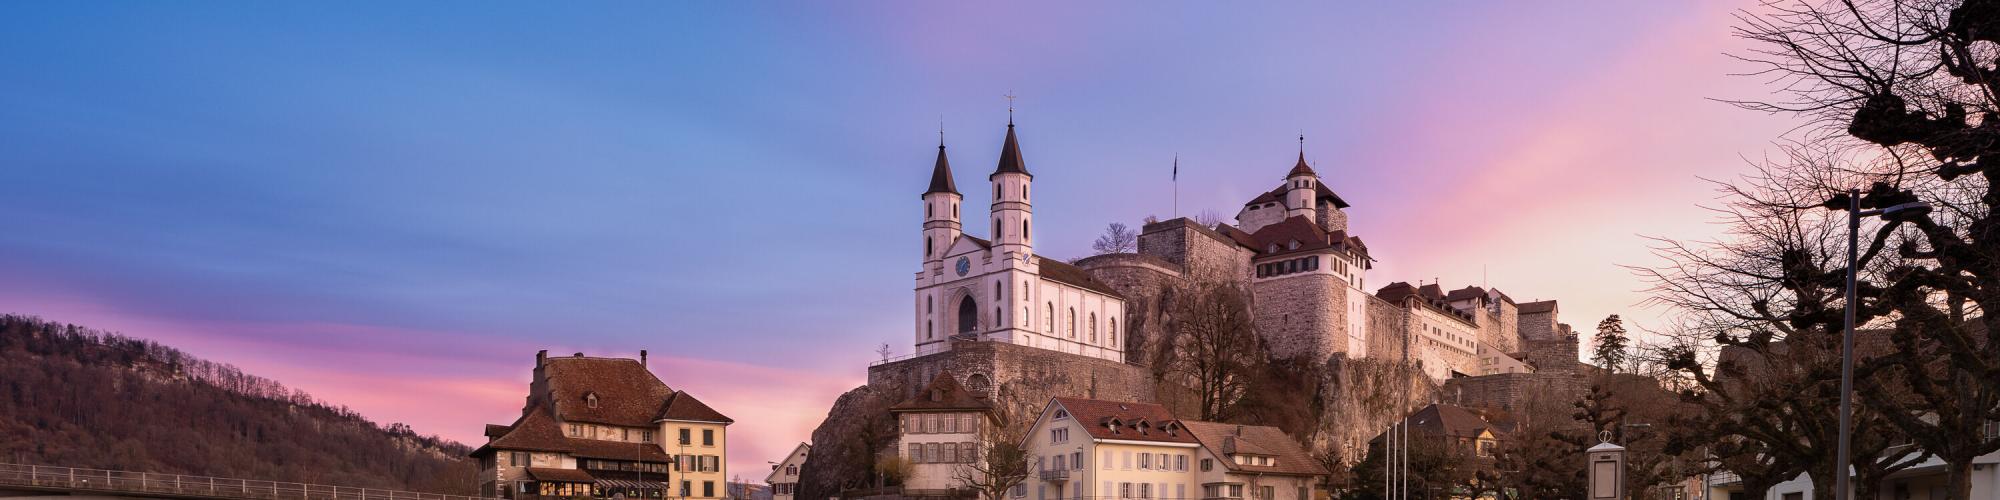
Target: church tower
(941, 226)
(1301, 186)
(1013, 223)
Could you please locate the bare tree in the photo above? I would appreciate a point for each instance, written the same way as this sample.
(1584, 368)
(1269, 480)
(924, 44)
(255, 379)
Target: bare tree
(1215, 350)
(1002, 462)
(1116, 239)
(1904, 99)
(1208, 219)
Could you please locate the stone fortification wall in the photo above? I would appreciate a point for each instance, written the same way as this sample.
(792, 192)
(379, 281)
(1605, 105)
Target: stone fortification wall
(1302, 315)
(1508, 390)
(1145, 281)
(1201, 252)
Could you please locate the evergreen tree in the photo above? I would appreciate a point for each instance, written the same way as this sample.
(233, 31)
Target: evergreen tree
(1610, 343)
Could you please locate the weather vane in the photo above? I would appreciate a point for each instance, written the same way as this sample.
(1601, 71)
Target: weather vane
(1010, 106)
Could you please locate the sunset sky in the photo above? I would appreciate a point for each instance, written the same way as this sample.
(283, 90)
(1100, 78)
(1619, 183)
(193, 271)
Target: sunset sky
(394, 205)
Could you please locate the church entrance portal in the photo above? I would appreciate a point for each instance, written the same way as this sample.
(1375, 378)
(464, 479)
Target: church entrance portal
(968, 315)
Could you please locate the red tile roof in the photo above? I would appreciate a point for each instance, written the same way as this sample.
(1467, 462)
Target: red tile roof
(942, 394)
(1538, 307)
(684, 407)
(1448, 420)
(627, 393)
(1063, 272)
(1291, 458)
(1124, 421)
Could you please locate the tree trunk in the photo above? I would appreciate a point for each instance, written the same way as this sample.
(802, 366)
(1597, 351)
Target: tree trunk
(1958, 479)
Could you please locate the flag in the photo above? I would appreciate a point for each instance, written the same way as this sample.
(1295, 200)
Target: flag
(1177, 167)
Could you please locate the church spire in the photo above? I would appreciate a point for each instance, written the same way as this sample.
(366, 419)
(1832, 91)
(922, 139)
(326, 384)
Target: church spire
(941, 173)
(1010, 154)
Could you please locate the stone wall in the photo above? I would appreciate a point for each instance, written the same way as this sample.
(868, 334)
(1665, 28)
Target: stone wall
(1145, 281)
(1508, 390)
(1558, 355)
(1027, 377)
(1201, 252)
(1538, 326)
(1332, 219)
(1302, 315)
(1388, 326)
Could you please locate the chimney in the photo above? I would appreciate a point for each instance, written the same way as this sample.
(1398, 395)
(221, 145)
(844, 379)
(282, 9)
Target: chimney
(541, 356)
(642, 357)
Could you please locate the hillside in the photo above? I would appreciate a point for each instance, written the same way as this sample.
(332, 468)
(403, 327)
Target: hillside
(78, 397)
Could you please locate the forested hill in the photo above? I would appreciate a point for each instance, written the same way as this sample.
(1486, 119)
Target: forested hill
(78, 397)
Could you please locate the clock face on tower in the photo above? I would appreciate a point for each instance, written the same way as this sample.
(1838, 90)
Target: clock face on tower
(964, 266)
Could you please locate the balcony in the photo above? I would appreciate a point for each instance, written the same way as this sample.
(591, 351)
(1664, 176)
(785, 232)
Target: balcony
(1055, 475)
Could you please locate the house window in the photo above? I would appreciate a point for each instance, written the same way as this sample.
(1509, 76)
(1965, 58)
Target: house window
(1180, 462)
(517, 459)
(1207, 465)
(1145, 490)
(708, 437)
(1145, 461)
(916, 454)
(687, 488)
(708, 488)
(1124, 490)
(576, 430)
(646, 436)
(1270, 492)
(687, 436)
(590, 399)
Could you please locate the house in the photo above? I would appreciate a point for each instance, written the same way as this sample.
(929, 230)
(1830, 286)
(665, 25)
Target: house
(1253, 461)
(605, 427)
(1109, 449)
(784, 478)
(939, 432)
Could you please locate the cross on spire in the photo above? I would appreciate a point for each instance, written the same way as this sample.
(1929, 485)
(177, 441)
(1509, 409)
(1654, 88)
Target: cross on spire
(1010, 107)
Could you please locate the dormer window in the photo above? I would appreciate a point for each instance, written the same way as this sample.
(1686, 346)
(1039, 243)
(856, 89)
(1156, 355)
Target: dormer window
(1294, 245)
(590, 399)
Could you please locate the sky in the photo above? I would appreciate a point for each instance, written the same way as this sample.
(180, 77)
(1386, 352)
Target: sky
(393, 205)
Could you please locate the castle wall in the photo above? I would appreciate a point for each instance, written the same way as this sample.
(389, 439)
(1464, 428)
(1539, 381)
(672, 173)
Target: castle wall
(1144, 280)
(1022, 378)
(1201, 252)
(1508, 390)
(1552, 356)
(1331, 218)
(1302, 315)
(1538, 326)
(1387, 325)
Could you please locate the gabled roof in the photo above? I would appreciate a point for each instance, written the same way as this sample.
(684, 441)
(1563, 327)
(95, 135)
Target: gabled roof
(1283, 233)
(1010, 155)
(627, 393)
(1538, 307)
(1123, 421)
(1431, 291)
(684, 407)
(941, 175)
(942, 394)
(1396, 292)
(1321, 192)
(798, 453)
(1470, 292)
(1063, 272)
(1448, 420)
(536, 430)
(1255, 440)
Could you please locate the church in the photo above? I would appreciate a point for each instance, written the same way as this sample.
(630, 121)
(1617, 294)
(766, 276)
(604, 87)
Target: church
(990, 310)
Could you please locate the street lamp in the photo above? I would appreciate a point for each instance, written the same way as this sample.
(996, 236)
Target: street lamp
(1844, 459)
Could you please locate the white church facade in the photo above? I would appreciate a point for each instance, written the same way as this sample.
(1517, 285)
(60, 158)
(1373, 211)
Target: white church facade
(998, 289)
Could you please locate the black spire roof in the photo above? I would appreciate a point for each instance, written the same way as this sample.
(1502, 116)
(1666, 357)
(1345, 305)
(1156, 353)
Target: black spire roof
(1010, 155)
(941, 175)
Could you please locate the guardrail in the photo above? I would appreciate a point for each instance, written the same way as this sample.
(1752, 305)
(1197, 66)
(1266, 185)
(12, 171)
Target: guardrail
(45, 477)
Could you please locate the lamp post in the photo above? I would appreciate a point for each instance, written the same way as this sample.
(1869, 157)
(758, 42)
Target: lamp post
(1843, 460)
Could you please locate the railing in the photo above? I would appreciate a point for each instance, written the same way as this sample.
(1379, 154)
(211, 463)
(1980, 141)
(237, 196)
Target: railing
(1055, 475)
(44, 477)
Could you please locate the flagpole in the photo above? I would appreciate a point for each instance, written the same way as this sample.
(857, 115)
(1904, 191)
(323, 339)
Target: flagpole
(1177, 185)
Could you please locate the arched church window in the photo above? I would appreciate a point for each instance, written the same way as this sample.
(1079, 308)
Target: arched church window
(927, 305)
(1114, 333)
(1024, 193)
(1049, 319)
(997, 320)
(1093, 328)
(996, 291)
(954, 210)
(929, 332)
(930, 209)
(996, 229)
(927, 247)
(996, 192)
(1024, 229)
(968, 315)
(1072, 322)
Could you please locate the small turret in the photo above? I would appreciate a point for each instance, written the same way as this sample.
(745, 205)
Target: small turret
(1301, 184)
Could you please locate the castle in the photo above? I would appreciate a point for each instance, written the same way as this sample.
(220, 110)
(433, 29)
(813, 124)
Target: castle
(1290, 248)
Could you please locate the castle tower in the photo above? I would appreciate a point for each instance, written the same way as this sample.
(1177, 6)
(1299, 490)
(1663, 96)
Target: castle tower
(1301, 184)
(941, 226)
(1013, 223)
